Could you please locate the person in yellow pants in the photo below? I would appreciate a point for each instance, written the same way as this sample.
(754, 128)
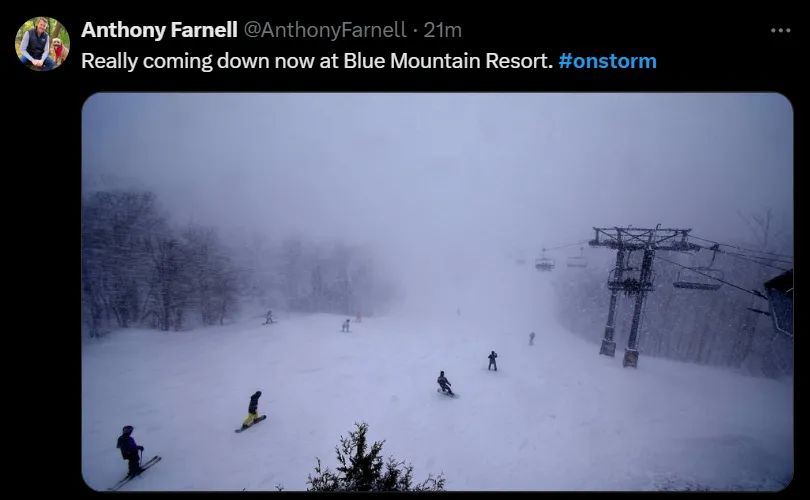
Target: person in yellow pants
(253, 410)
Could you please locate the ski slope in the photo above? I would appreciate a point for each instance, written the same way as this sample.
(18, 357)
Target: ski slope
(556, 416)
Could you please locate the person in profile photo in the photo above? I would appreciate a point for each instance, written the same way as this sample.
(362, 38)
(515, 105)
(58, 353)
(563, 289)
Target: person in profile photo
(42, 44)
(35, 46)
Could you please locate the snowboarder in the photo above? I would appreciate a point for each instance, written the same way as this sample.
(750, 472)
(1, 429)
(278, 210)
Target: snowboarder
(269, 317)
(345, 327)
(253, 410)
(444, 383)
(531, 338)
(492, 363)
(129, 451)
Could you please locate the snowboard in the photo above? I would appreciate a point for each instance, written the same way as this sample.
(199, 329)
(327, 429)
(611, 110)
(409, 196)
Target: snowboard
(258, 419)
(454, 395)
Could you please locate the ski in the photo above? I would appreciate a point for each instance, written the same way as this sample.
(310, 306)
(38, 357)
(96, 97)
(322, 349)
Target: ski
(259, 419)
(149, 463)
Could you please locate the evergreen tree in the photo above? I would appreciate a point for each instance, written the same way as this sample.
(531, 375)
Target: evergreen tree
(363, 469)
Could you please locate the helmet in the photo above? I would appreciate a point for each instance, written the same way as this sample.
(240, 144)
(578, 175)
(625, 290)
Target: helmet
(128, 429)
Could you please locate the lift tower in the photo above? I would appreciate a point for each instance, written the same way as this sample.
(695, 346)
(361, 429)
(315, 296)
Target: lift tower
(634, 281)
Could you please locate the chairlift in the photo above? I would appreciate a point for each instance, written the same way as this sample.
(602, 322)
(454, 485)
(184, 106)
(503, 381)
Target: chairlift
(544, 263)
(578, 260)
(700, 278)
(628, 279)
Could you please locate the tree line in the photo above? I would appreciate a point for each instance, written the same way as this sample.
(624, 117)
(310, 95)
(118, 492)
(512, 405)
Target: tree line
(138, 269)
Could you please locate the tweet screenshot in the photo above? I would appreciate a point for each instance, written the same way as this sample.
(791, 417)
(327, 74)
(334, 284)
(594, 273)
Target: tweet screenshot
(502, 253)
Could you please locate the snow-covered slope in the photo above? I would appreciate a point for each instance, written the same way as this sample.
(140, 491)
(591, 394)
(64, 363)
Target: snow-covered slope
(555, 416)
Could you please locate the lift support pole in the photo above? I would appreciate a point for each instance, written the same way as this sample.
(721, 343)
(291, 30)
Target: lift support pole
(631, 352)
(608, 344)
(629, 239)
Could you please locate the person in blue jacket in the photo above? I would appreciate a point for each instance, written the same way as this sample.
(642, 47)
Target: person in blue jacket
(129, 451)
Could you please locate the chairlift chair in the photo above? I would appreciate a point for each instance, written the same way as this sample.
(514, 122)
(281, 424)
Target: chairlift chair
(577, 260)
(700, 278)
(544, 263)
(630, 280)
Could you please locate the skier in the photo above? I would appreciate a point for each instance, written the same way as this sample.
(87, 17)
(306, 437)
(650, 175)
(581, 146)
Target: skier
(253, 410)
(269, 317)
(531, 338)
(444, 383)
(492, 363)
(345, 327)
(129, 451)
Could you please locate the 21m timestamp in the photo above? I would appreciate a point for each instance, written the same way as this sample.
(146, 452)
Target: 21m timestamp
(440, 30)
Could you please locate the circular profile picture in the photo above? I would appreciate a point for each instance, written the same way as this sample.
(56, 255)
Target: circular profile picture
(42, 43)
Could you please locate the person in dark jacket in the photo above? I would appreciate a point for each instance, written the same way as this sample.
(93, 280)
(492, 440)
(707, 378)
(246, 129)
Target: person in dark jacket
(492, 363)
(35, 46)
(345, 327)
(444, 383)
(129, 451)
(531, 338)
(253, 410)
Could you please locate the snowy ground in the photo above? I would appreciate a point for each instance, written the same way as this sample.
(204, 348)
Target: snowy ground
(556, 415)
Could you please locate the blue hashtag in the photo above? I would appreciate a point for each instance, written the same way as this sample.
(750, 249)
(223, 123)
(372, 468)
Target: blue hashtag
(565, 60)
